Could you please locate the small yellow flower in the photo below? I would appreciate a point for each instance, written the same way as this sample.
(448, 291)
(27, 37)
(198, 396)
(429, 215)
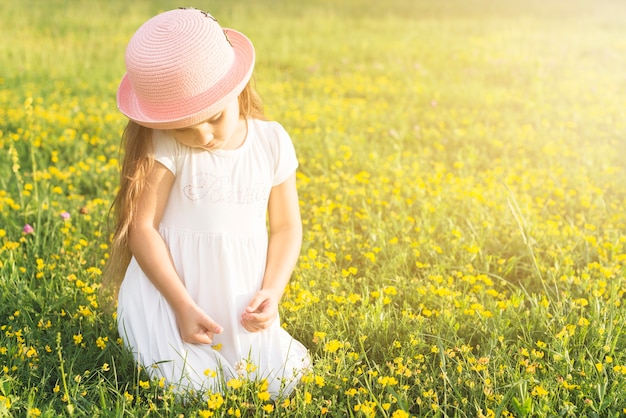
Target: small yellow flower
(78, 338)
(236, 412)
(539, 391)
(215, 401)
(332, 346)
(234, 383)
(101, 342)
(387, 381)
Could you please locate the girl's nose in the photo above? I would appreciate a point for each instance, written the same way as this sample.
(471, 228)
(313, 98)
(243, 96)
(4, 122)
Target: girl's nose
(206, 130)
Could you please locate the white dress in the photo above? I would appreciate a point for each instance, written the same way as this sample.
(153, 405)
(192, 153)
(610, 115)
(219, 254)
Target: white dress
(215, 227)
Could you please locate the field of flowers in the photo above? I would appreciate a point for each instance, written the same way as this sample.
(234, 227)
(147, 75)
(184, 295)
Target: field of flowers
(463, 189)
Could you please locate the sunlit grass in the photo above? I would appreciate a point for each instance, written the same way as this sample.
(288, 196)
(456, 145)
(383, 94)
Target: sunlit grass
(462, 184)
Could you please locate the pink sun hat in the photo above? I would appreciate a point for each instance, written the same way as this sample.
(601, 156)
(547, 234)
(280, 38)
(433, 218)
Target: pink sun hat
(182, 68)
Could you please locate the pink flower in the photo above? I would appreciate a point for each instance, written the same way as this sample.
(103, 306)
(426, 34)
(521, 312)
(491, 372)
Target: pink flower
(65, 216)
(28, 229)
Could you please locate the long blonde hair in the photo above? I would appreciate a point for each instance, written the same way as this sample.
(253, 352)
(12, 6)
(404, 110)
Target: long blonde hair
(136, 165)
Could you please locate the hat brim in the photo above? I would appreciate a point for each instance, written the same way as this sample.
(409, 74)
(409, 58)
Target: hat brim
(203, 106)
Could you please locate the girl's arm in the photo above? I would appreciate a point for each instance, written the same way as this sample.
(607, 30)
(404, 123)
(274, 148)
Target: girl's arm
(152, 255)
(283, 251)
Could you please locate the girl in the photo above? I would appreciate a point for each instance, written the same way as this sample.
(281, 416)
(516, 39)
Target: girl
(200, 279)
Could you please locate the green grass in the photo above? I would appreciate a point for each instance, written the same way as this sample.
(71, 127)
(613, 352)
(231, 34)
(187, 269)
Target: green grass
(462, 182)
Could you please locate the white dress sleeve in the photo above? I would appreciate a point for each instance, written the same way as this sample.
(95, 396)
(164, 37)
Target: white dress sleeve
(285, 160)
(165, 149)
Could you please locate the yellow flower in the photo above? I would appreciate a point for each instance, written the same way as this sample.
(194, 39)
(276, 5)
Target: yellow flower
(236, 412)
(387, 381)
(215, 401)
(34, 412)
(145, 384)
(78, 338)
(101, 342)
(264, 396)
(318, 335)
(234, 383)
(539, 391)
(31, 352)
(332, 346)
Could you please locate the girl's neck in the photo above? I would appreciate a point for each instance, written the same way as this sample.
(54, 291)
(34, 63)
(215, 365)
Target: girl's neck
(238, 137)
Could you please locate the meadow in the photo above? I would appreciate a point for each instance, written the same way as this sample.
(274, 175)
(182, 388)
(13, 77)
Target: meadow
(463, 190)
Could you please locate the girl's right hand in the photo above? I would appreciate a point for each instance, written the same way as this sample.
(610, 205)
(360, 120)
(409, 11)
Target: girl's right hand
(195, 326)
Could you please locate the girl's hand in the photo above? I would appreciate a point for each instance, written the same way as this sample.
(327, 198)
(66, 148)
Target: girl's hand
(195, 326)
(260, 312)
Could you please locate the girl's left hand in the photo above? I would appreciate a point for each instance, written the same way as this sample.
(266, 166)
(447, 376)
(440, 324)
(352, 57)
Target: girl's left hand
(260, 312)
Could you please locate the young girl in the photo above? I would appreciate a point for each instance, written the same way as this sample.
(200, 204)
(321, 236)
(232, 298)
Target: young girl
(200, 279)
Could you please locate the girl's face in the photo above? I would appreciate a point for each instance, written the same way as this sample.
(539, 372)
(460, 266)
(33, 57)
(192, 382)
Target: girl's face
(224, 130)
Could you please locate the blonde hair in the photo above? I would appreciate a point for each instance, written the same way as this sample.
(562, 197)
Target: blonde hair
(136, 165)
